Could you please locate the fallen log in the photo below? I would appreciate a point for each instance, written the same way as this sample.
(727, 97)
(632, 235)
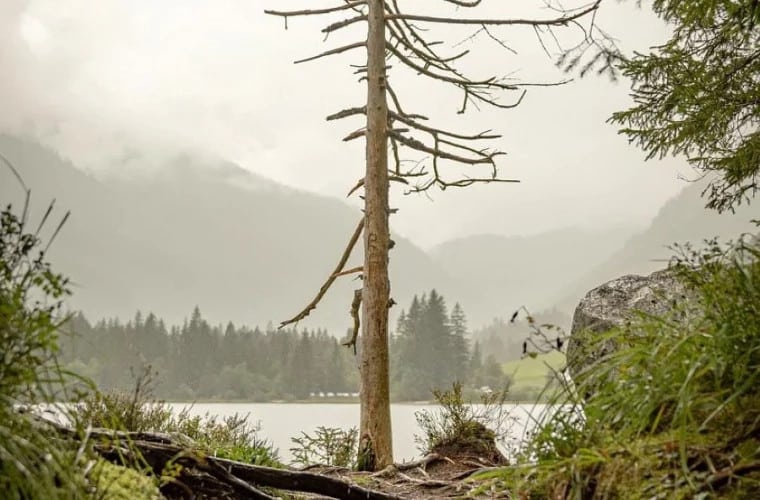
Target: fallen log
(211, 477)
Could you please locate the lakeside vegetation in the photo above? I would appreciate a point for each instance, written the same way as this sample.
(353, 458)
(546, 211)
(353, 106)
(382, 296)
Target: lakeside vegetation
(674, 411)
(670, 407)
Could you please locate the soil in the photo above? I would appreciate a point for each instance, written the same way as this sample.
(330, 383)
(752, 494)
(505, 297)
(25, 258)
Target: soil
(449, 471)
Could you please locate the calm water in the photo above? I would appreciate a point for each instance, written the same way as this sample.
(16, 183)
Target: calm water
(280, 422)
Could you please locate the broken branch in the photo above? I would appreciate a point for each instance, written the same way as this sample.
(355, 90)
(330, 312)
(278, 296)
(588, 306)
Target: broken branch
(355, 304)
(332, 52)
(315, 12)
(326, 286)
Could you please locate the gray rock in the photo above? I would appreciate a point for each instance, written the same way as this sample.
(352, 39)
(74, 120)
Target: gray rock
(613, 304)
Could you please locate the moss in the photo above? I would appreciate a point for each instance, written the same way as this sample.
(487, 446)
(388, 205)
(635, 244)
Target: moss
(113, 482)
(473, 440)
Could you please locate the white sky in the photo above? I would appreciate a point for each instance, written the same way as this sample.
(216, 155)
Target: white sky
(105, 80)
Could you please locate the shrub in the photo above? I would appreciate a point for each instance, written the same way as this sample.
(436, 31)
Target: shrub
(675, 411)
(328, 446)
(34, 461)
(461, 426)
(231, 437)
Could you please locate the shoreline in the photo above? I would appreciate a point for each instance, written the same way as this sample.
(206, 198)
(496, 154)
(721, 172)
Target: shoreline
(318, 401)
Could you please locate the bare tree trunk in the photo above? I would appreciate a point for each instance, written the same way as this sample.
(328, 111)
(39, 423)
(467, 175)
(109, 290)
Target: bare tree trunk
(403, 41)
(376, 449)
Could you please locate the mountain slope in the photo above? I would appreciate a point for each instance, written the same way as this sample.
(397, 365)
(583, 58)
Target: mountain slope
(241, 247)
(683, 219)
(499, 273)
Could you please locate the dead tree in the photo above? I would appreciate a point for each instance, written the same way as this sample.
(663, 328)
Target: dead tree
(394, 35)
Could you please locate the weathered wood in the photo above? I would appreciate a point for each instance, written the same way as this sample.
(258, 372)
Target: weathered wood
(304, 481)
(208, 476)
(375, 419)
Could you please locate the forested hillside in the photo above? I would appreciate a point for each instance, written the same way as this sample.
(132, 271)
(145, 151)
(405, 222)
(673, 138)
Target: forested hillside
(201, 360)
(198, 360)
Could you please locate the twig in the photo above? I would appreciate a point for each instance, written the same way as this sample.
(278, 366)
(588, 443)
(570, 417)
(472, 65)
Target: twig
(332, 52)
(728, 473)
(353, 270)
(558, 21)
(315, 12)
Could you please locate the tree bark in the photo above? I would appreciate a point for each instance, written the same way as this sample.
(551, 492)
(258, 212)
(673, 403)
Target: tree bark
(376, 450)
(205, 476)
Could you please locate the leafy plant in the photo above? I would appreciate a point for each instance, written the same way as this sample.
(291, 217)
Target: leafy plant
(675, 410)
(231, 437)
(463, 425)
(329, 446)
(35, 462)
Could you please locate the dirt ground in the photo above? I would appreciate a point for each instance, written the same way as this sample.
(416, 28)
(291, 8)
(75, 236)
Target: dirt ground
(435, 476)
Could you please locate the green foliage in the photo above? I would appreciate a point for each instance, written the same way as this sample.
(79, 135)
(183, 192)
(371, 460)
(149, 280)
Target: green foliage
(201, 361)
(461, 422)
(131, 411)
(674, 412)
(696, 95)
(113, 482)
(431, 349)
(34, 461)
(530, 375)
(328, 446)
(31, 308)
(231, 437)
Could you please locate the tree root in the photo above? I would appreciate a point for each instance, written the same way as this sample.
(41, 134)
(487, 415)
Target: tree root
(210, 477)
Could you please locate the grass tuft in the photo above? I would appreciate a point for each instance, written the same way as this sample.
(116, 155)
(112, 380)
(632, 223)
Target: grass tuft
(674, 412)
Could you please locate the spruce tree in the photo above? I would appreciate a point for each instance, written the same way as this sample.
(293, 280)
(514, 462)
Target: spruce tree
(459, 350)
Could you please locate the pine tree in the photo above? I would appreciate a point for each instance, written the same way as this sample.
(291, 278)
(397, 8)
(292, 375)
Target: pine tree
(476, 366)
(436, 336)
(460, 348)
(197, 348)
(696, 94)
(430, 349)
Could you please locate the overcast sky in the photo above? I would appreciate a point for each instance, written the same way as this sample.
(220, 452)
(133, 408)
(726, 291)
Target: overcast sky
(103, 81)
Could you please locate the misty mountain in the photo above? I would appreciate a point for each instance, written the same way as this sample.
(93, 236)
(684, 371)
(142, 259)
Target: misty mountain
(240, 246)
(683, 219)
(499, 273)
(244, 248)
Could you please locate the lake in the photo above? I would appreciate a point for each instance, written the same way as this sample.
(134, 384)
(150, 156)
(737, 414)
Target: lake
(280, 422)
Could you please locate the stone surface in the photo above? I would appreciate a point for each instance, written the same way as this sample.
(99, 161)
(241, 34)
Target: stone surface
(613, 304)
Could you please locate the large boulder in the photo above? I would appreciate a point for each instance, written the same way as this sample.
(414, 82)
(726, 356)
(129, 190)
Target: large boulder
(613, 304)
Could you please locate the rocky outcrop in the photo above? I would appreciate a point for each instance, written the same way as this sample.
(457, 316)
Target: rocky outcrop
(613, 304)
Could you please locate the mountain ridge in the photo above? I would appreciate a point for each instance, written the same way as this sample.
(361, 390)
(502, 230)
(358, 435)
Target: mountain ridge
(207, 232)
(192, 237)
(682, 219)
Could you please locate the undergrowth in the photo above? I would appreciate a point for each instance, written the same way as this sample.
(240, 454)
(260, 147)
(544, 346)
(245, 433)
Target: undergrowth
(232, 437)
(674, 411)
(36, 461)
(330, 446)
(461, 426)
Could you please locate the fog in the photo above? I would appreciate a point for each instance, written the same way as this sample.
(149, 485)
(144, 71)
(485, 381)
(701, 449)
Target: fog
(117, 86)
(128, 91)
